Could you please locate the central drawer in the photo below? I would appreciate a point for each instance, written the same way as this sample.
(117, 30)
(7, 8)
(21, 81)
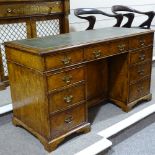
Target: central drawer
(65, 78)
(65, 121)
(67, 97)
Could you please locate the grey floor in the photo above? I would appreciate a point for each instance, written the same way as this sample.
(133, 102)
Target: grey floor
(17, 141)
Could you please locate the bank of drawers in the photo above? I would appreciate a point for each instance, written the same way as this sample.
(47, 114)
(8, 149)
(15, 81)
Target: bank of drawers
(140, 62)
(66, 91)
(20, 9)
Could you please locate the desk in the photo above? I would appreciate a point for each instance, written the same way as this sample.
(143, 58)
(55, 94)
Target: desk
(54, 79)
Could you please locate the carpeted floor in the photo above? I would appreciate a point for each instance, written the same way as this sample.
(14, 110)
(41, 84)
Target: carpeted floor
(138, 139)
(17, 141)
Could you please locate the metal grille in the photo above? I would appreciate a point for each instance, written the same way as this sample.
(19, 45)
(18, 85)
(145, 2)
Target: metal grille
(9, 32)
(48, 27)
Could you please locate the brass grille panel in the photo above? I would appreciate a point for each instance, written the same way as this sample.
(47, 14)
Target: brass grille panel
(48, 27)
(9, 32)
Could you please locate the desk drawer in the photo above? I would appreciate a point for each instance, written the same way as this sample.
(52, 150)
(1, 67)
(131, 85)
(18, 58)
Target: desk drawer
(65, 78)
(119, 46)
(63, 59)
(139, 71)
(141, 41)
(96, 51)
(65, 121)
(16, 10)
(141, 55)
(67, 97)
(140, 89)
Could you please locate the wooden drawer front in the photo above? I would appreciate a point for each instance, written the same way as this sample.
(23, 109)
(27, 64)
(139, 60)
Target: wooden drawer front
(139, 89)
(65, 78)
(96, 51)
(65, 121)
(139, 71)
(141, 41)
(141, 55)
(15, 10)
(66, 98)
(64, 59)
(119, 46)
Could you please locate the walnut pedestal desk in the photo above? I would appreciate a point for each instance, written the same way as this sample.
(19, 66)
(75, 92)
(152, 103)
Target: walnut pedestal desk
(54, 79)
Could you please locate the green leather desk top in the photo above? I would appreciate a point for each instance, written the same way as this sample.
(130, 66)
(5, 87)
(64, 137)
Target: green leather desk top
(74, 39)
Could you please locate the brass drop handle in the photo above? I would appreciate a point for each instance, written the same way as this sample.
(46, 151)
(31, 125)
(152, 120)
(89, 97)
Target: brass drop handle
(97, 54)
(69, 119)
(9, 10)
(68, 99)
(121, 47)
(142, 57)
(141, 72)
(140, 89)
(66, 60)
(142, 42)
(67, 79)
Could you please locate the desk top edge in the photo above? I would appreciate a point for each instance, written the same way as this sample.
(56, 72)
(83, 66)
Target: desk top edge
(71, 40)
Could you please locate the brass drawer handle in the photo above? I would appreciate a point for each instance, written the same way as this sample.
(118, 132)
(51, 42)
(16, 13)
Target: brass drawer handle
(141, 72)
(142, 42)
(121, 47)
(142, 57)
(140, 89)
(67, 79)
(66, 60)
(69, 119)
(97, 54)
(9, 10)
(68, 99)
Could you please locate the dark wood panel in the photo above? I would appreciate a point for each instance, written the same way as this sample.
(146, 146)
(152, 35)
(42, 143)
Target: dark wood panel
(118, 78)
(96, 81)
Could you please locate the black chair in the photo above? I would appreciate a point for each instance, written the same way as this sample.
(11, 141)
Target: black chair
(146, 24)
(92, 19)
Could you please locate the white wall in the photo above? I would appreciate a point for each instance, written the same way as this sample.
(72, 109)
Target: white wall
(77, 24)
